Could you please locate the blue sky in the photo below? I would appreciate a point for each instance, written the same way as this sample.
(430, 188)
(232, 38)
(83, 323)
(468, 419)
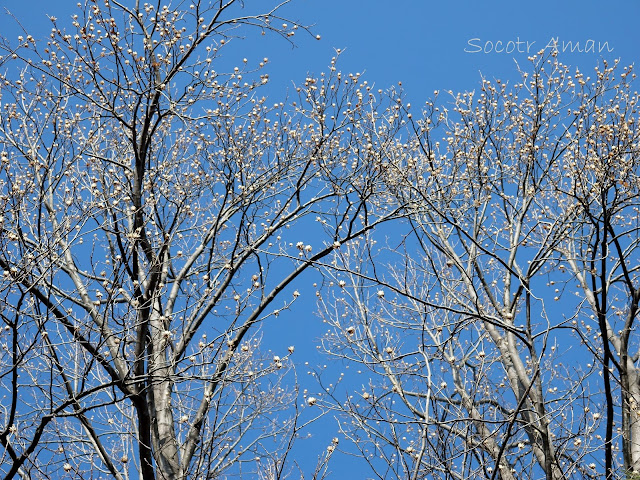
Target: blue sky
(423, 43)
(419, 43)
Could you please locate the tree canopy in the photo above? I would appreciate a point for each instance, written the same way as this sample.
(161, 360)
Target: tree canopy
(477, 261)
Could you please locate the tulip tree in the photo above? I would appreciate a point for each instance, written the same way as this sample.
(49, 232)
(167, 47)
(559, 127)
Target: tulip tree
(475, 260)
(497, 337)
(156, 210)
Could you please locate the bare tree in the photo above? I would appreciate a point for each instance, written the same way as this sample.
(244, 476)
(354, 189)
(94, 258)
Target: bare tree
(155, 212)
(603, 187)
(493, 336)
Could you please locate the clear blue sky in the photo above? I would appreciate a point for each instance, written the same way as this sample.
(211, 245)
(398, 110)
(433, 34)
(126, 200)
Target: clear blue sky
(421, 43)
(418, 42)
